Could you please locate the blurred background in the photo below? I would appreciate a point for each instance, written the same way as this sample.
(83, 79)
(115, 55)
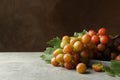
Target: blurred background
(26, 25)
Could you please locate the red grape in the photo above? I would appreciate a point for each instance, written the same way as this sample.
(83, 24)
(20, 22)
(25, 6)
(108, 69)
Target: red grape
(104, 39)
(95, 39)
(102, 31)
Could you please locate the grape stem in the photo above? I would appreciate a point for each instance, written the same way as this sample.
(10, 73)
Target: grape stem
(115, 37)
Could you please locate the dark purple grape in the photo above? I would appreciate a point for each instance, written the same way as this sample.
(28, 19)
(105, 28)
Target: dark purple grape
(100, 47)
(113, 55)
(118, 47)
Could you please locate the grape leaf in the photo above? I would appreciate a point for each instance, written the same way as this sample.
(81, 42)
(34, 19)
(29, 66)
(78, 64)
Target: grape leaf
(47, 54)
(76, 34)
(55, 42)
(109, 71)
(113, 69)
(115, 66)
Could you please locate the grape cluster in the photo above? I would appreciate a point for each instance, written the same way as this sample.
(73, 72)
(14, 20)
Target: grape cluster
(73, 51)
(107, 46)
(92, 45)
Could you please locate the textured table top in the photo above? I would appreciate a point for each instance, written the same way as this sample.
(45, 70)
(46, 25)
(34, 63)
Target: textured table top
(29, 66)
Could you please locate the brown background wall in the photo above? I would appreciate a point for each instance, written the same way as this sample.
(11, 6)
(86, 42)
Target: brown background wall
(26, 25)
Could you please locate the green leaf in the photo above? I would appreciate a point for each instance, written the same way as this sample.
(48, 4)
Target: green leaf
(109, 71)
(113, 69)
(115, 66)
(76, 34)
(55, 42)
(47, 55)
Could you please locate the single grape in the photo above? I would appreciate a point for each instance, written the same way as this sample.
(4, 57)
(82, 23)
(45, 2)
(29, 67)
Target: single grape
(68, 49)
(54, 62)
(102, 31)
(59, 58)
(91, 32)
(118, 47)
(86, 38)
(77, 46)
(81, 68)
(76, 57)
(118, 57)
(101, 47)
(113, 55)
(68, 65)
(84, 54)
(116, 43)
(104, 39)
(67, 58)
(97, 67)
(66, 39)
(95, 39)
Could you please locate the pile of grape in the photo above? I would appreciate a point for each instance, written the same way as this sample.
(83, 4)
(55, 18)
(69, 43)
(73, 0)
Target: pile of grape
(75, 52)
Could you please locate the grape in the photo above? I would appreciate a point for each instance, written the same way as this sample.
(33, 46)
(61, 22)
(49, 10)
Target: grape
(67, 58)
(118, 48)
(68, 49)
(77, 46)
(86, 38)
(107, 51)
(57, 51)
(81, 68)
(104, 39)
(74, 64)
(102, 31)
(115, 43)
(76, 57)
(95, 39)
(97, 67)
(63, 43)
(101, 47)
(68, 65)
(84, 54)
(118, 57)
(59, 58)
(54, 62)
(91, 32)
(113, 55)
(66, 39)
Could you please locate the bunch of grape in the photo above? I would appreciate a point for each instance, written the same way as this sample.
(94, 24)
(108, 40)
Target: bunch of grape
(73, 50)
(107, 46)
(80, 49)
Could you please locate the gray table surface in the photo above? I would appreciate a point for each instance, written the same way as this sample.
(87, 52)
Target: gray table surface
(29, 66)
